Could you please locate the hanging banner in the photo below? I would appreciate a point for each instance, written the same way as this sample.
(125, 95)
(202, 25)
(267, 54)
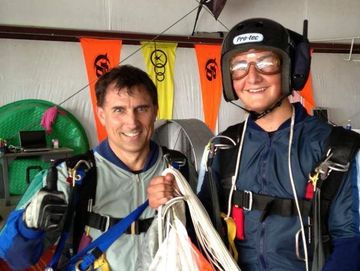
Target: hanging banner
(208, 57)
(160, 62)
(307, 96)
(100, 56)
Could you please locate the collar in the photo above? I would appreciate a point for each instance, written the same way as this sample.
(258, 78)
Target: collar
(105, 151)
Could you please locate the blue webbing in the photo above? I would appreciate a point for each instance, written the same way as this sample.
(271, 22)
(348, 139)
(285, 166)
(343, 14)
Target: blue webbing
(105, 240)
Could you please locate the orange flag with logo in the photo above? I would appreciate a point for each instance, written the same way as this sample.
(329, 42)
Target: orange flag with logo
(307, 96)
(208, 57)
(100, 56)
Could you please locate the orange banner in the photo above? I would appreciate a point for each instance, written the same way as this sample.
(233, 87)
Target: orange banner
(100, 56)
(208, 57)
(307, 96)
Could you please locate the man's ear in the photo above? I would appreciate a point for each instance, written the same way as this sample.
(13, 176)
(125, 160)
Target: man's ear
(101, 114)
(156, 111)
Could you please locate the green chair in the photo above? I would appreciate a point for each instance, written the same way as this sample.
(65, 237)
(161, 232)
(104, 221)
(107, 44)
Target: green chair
(26, 115)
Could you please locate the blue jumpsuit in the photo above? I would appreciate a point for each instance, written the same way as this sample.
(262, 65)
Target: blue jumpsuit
(270, 244)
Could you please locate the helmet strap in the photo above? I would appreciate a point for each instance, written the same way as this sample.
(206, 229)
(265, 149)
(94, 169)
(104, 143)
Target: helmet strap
(255, 115)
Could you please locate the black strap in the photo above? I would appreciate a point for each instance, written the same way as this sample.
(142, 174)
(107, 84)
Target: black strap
(85, 192)
(216, 190)
(103, 223)
(270, 205)
(344, 145)
(178, 160)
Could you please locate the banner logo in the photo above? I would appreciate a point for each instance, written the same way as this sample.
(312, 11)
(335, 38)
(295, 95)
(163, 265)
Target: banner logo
(249, 37)
(210, 69)
(101, 65)
(159, 59)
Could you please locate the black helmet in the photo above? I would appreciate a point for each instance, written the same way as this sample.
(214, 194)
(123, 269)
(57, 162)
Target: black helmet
(265, 34)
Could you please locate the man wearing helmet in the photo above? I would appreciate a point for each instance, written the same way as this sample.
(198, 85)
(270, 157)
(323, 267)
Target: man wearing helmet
(263, 181)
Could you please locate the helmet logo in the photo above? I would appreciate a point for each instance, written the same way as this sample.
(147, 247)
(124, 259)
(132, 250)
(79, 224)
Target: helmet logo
(248, 37)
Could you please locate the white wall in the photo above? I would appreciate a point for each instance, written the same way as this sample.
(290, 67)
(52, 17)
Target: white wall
(327, 18)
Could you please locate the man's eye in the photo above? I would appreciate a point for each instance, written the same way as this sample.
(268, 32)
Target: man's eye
(142, 109)
(265, 63)
(119, 110)
(239, 66)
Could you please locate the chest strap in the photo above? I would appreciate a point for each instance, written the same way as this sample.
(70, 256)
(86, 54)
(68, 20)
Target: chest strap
(103, 223)
(269, 205)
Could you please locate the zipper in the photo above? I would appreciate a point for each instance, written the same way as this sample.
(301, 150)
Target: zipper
(264, 169)
(262, 247)
(137, 200)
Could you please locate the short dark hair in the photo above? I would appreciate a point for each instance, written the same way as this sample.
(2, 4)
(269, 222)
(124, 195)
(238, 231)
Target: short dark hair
(125, 76)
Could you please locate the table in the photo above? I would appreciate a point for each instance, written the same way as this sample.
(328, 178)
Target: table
(7, 158)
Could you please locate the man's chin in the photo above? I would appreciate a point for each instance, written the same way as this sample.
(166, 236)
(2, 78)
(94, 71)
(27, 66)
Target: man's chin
(259, 108)
(256, 109)
(134, 147)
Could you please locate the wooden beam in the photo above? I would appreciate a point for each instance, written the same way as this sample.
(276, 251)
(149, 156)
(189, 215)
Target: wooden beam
(73, 35)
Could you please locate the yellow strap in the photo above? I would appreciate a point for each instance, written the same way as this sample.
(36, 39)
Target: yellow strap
(314, 178)
(102, 262)
(87, 230)
(231, 234)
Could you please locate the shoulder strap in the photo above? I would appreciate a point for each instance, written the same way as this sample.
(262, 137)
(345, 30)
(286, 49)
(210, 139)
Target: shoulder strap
(86, 194)
(84, 163)
(234, 131)
(227, 164)
(227, 160)
(343, 145)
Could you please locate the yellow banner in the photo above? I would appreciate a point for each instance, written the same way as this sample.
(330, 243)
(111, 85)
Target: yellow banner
(160, 62)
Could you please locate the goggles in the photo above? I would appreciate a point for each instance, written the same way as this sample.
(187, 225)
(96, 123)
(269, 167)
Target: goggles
(268, 65)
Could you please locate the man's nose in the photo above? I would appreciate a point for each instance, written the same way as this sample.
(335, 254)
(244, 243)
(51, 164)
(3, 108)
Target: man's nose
(253, 74)
(131, 118)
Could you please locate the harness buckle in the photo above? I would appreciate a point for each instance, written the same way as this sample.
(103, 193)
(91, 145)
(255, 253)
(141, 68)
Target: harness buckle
(77, 266)
(248, 196)
(107, 222)
(133, 228)
(175, 162)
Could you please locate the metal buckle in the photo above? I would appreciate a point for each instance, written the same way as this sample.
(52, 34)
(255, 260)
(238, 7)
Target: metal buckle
(133, 228)
(249, 195)
(107, 223)
(77, 266)
(176, 163)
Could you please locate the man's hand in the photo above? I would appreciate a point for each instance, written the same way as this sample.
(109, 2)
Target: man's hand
(46, 210)
(161, 189)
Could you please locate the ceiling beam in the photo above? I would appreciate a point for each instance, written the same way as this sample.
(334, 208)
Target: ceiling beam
(74, 35)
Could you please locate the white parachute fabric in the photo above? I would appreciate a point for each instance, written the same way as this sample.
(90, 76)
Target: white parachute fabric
(211, 243)
(175, 251)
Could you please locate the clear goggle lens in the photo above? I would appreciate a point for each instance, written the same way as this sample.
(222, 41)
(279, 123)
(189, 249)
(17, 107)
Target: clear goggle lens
(269, 64)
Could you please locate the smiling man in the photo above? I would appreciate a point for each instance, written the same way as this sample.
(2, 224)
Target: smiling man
(125, 162)
(128, 110)
(265, 167)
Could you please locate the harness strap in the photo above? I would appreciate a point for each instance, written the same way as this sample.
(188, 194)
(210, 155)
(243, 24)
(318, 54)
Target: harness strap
(86, 257)
(103, 223)
(269, 205)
